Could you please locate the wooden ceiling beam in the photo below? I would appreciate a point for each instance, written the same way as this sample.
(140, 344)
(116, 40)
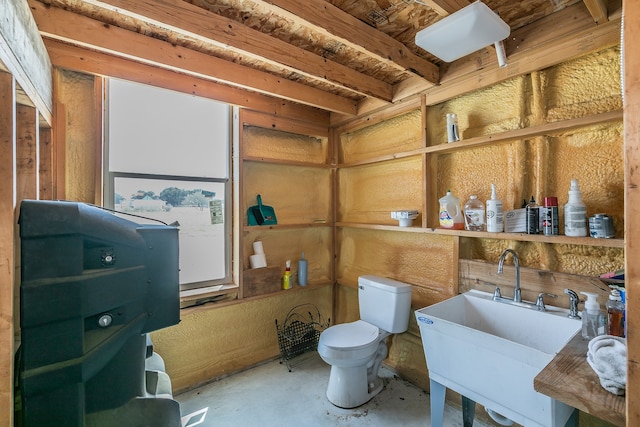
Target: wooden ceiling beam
(446, 7)
(198, 23)
(330, 20)
(58, 24)
(80, 59)
(598, 10)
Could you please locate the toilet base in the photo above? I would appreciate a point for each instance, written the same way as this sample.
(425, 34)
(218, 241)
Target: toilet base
(349, 387)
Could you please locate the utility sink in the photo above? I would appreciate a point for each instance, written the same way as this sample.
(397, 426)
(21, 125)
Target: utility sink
(490, 352)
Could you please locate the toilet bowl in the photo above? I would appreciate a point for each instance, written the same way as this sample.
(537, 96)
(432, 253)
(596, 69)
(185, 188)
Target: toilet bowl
(356, 350)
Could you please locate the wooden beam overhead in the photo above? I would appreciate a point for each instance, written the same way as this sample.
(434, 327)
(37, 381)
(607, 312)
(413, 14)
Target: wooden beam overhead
(446, 7)
(58, 24)
(192, 21)
(80, 59)
(352, 32)
(597, 9)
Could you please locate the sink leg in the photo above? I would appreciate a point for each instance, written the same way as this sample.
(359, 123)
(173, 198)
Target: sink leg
(437, 392)
(468, 411)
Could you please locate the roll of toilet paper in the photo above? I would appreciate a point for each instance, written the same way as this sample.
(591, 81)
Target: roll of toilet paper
(257, 247)
(258, 261)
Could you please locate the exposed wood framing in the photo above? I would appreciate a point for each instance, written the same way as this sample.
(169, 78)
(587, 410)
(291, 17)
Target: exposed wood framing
(358, 35)
(446, 7)
(7, 236)
(47, 168)
(597, 9)
(532, 48)
(24, 55)
(632, 202)
(57, 24)
(27, 137)
(77, 58)
(211, 28)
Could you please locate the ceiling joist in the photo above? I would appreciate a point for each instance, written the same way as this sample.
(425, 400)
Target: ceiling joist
(191, 21)
(58, 24)
(330, 20)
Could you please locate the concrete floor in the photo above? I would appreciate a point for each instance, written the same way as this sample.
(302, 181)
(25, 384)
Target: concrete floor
(270, 395)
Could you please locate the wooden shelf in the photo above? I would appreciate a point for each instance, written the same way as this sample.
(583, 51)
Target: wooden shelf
(286, 226)
(569, 379)
(523, 237)
(295, 288)
(286, 162)
(480, 141)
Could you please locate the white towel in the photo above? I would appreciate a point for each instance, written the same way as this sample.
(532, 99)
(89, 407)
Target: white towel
(607, 356)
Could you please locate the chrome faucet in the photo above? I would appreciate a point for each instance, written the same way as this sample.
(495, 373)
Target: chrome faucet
(573, 304)
(517, 296)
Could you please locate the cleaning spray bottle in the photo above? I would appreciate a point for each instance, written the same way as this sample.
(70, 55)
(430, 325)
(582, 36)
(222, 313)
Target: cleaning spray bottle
(575, 213)
(494, 212)
(286, 279)
(593, 318)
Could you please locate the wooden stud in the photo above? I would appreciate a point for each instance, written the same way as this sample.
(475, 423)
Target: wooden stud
(7, 237)
(26, 153)
(632, 202)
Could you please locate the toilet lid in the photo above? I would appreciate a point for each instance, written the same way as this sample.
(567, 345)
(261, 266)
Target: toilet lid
(350, 335)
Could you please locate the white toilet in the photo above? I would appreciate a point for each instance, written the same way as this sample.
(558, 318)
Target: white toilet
(355, 350)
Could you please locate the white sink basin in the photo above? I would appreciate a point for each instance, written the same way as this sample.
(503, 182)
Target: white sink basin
(490, 352)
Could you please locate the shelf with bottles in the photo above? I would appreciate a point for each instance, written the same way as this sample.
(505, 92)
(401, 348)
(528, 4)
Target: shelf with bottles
(522, 237)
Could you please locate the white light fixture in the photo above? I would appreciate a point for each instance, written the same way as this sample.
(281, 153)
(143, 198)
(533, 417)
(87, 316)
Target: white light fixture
(470, 29)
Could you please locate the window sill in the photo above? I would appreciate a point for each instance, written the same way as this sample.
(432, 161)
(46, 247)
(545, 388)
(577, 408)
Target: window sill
(199, 296)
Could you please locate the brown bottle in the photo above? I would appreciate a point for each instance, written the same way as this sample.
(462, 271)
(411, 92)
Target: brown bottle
(615, 314)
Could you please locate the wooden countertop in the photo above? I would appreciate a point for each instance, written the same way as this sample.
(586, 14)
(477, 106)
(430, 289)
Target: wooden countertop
(569, 379)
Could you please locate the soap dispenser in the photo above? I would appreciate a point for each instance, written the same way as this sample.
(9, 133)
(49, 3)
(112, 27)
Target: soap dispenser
(593, 318)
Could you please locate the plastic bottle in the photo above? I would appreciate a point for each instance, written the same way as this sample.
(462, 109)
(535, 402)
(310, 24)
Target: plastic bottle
(593, 318)
(452, 128)
(286, 279)
(474, 214)
(549, 214)
(302, 271)
(533, 217)
(615, 314)
(494, 212)
(575, 213)
(450, 212)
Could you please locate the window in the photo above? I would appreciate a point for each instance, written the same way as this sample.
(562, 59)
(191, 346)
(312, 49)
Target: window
(167, 158)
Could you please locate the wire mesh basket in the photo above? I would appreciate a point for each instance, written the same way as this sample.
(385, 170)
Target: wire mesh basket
(300, 332)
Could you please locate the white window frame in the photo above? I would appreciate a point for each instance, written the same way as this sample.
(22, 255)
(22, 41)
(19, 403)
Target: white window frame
(196, 288)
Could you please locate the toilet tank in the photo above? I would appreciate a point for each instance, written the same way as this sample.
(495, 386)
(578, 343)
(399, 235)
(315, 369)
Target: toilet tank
(385, 303)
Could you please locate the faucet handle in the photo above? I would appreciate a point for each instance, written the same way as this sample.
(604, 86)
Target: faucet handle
(573, 303)
(496, 294)
(540, 300)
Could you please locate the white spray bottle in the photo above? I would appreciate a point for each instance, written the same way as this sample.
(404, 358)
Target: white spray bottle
(575, 213)
(494, 212)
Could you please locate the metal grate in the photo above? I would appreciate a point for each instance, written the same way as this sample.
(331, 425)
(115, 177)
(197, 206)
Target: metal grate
(300, 332)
